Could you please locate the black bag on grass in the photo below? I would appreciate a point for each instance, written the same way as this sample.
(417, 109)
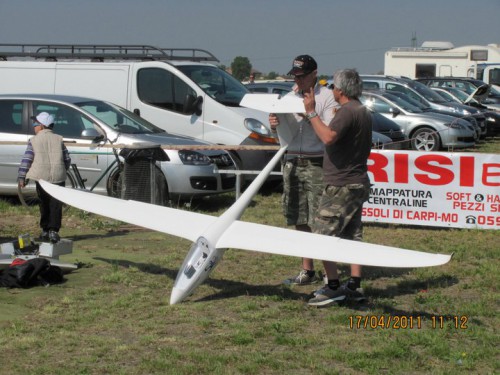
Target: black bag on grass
(33, 272)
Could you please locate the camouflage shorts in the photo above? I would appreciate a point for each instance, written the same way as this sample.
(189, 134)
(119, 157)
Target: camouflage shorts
(302, 188)
(340, 209)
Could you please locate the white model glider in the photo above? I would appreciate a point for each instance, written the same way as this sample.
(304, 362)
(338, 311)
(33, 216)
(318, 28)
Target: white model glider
(281, 106)
(211, 235)
(274, 103)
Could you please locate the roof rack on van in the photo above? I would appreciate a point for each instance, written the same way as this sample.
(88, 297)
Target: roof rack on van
(101, 52)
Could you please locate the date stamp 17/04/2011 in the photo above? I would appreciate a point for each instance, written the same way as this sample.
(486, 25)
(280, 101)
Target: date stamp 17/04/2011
(408, 321)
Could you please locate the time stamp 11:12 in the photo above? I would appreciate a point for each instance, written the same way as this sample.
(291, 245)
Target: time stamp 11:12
(407, 321)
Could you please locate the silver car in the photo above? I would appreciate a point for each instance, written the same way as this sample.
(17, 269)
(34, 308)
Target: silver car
(427, 131)
(276, 87)
(92, 126)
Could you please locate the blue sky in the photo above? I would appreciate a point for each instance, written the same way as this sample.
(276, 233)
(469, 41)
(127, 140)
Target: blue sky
(339, 34)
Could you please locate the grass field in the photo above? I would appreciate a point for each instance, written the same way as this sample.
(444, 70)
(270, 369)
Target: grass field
(112, 315)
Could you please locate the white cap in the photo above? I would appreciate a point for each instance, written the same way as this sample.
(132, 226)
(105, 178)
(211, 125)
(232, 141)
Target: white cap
(44, 118)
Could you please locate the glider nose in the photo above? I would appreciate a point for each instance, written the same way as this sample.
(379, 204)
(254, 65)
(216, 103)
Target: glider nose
(177, 295)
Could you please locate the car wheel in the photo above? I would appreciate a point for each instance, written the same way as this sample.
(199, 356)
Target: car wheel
(162, 195)
(425, 139)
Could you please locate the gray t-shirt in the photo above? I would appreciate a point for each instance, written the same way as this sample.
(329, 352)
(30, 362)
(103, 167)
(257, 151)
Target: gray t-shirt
(306, 143)
(345, 160)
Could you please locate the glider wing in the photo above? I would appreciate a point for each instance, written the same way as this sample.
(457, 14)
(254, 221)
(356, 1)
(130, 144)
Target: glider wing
(185, 224)
(268, 239)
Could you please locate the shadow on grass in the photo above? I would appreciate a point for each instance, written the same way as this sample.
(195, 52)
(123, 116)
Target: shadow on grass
(109, 234)
(228, 288)
(151, 268)
(372, 273)
(414, 286)
(232, 289)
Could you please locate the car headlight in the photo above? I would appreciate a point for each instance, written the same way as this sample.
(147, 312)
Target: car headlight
(455, 124)
(193, 158)
(255, 126)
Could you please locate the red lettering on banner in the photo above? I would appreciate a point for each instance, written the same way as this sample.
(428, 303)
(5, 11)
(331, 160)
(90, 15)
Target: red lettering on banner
(467, 171)
(433, 170)
(424, 164)
(401, 168)
(377, 168)
(487, 173)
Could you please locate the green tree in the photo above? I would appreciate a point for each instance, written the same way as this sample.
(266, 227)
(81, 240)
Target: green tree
(241, 67)
(272, 75)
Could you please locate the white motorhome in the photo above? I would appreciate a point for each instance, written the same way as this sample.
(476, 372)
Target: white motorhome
(442, 59)
(179, 90)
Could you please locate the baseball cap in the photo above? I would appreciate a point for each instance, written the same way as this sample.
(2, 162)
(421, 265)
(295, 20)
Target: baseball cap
(303, 64)
(44, 118)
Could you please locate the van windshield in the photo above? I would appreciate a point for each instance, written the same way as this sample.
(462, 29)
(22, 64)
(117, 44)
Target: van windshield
(220, 85)
(118, 118)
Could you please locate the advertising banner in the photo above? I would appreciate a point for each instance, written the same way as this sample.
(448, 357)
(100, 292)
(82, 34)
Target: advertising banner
(440, 189)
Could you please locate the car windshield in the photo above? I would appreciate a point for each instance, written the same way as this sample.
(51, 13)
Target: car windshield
(220, 85)
(494, 91)
(462, 95)
(119, 119)
(421, 106)
(445, 94)
(426, 92)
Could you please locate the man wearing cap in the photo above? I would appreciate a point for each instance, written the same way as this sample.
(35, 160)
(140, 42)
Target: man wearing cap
(302, 169)
(46, 158)
(347, 140)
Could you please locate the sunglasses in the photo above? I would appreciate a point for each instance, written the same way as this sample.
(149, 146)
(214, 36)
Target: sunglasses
(331, 86)
(302, 76)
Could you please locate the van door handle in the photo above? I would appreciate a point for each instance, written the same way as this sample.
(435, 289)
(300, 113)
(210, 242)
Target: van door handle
(137, 111)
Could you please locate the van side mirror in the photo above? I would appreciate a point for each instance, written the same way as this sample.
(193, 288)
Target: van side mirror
(192, 105)
(394, 111)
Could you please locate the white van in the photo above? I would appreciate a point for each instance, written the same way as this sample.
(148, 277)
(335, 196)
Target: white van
(178, 90)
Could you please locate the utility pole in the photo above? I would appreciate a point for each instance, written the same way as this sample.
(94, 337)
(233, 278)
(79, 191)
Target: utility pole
(414, 40)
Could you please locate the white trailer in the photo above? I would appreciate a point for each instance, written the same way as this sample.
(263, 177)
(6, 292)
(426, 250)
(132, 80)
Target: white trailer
(442, 59)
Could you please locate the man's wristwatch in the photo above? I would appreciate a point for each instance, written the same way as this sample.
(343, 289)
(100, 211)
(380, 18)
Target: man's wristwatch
(311, 115)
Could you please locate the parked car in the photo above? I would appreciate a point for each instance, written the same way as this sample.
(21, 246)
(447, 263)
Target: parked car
(426, 131)
(492, 117)
(273, 87)
(91, 125)
(387, 127)
(477, 120)
(381, 142)
(466, 84)
(423, 94)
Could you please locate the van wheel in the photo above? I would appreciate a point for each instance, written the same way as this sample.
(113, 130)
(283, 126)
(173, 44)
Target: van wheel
(425, 139)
